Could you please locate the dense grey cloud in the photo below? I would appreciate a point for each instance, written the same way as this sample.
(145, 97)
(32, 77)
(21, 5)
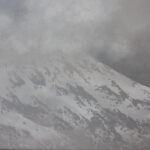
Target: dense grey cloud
(115, 31)
(129, 28)
(46, 25)
(14, 8)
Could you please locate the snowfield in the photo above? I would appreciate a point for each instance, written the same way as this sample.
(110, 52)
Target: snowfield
(60, 101)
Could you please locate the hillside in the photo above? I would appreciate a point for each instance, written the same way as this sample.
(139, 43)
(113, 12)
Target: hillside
(60, 101)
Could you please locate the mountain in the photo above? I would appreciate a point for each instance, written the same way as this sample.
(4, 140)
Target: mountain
(64, 101)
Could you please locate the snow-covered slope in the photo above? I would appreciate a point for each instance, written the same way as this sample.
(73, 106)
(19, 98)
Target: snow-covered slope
(60, 101)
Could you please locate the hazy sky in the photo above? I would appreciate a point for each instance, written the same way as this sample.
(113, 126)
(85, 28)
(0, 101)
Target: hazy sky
(117, 32)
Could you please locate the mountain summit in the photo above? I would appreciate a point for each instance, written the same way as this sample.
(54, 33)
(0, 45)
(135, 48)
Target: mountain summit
(60, 101)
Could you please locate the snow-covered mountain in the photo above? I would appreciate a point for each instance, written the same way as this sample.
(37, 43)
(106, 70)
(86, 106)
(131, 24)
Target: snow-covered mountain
(60, 101)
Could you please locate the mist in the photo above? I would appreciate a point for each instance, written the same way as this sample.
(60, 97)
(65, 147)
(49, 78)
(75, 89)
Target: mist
(116, 32)
(126, 46)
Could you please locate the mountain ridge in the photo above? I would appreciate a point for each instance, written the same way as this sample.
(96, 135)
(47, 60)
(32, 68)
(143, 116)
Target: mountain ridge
(65, 101)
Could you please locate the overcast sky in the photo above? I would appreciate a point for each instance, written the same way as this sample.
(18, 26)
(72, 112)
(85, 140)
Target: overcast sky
(116, 32)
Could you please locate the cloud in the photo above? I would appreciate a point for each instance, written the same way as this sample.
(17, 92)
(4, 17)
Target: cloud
(44, 25)
(98, 26)
(129, 29)
(114, 31)
(15, 9)
(127, 26)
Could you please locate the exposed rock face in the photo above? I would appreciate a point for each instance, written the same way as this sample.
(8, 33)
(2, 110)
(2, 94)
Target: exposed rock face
(65, 102)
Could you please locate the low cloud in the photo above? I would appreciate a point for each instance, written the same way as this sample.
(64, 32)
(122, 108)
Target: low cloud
(44, 25)
(114, 31)
(129, 29)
